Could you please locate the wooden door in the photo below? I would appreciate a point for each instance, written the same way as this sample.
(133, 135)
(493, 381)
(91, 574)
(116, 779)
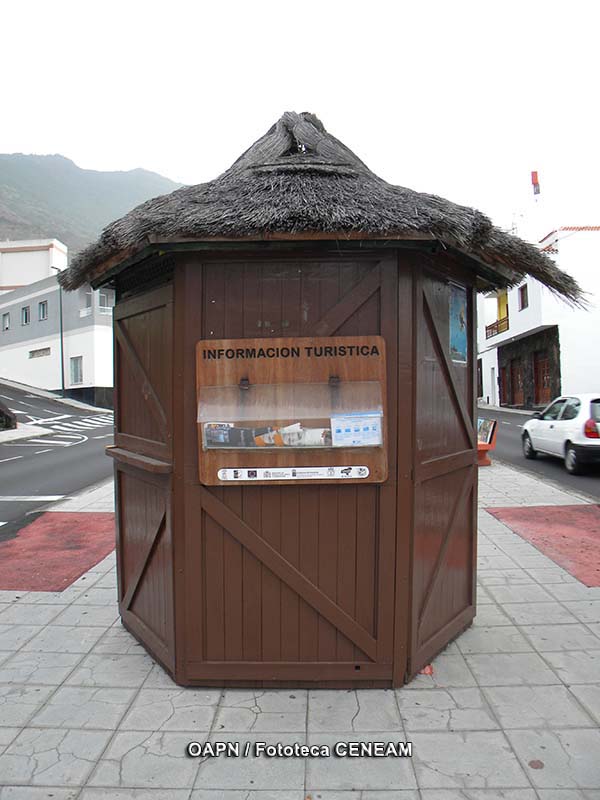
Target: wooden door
(445, 475)
(143, 454)
(516, 376)
(288, 583)
(541, 378)
(503, 386)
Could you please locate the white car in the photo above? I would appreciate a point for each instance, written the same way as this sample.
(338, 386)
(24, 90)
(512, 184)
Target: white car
(569, 428)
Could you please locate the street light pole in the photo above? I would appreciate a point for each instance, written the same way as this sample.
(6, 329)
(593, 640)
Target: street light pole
(62, 347)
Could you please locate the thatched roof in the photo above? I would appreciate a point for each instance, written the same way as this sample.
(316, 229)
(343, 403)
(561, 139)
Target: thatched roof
(299, 179)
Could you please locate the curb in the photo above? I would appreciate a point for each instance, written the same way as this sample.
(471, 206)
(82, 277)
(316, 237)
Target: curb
(51, 396)
(23, 431)
(504, 410)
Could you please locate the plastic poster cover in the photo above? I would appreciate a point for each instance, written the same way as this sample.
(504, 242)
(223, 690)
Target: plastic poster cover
(458, 324)
(356, 430)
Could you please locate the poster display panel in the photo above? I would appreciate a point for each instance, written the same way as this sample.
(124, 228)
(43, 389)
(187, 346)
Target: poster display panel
(286, 410)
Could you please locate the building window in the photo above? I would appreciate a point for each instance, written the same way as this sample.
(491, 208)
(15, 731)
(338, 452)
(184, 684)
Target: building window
(479, 377)
(77, 370)
(25, 315)
(43, 351)
(107, 301)
(88, 305)
(523, 297)
(43, 310)
(6, 321)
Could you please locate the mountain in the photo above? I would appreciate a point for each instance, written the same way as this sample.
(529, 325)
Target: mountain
(51, 197)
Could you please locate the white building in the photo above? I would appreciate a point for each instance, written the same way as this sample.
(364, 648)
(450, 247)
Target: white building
(25, 262)
(30, 325)
(533, 346)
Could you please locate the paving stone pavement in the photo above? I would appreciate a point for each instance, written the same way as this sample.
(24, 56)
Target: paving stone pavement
(510, 712)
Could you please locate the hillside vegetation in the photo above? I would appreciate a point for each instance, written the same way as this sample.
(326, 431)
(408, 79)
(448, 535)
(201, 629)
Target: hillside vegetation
(51, 197)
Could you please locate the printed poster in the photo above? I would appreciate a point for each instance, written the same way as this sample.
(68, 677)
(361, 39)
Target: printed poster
(458, 324)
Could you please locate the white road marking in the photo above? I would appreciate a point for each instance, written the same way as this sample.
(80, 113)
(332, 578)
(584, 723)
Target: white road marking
(106, 436)
(3, 523)
(52, 419)
(45, 441)
(18, 411)
(23, 403)
(14, 458)
(31, 498)
(39, 452)
(6, 397)
(68, 427)
(505, 423)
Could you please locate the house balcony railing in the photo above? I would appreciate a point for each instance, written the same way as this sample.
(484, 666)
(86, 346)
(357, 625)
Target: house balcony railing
(499, 326)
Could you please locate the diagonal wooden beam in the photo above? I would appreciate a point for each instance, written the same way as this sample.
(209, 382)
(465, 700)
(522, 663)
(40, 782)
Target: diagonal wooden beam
(146, 387)
(143, 559)
(467, 485)
(349, 303)
(288, 573)
(448, 370)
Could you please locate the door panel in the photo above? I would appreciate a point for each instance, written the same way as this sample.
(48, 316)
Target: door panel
(503, 386)
(143, 414)
(288, 578)
(516, 373)
(541, 377)
(445, 479)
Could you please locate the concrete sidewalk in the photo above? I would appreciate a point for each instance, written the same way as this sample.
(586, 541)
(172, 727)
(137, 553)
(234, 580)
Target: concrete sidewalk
(512, 709)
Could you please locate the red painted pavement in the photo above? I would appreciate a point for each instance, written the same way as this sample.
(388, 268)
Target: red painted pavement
(54, 550)
(569, 535)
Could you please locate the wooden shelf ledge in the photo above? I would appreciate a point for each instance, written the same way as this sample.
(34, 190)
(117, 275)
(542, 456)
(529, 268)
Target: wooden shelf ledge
(137, 460)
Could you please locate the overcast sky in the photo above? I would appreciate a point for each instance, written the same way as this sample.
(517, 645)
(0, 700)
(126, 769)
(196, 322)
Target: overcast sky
(462, 99)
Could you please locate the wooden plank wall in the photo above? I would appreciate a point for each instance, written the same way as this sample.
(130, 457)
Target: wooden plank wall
(243, 621)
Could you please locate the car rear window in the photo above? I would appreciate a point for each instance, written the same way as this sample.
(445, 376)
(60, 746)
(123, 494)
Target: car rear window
(595, 409)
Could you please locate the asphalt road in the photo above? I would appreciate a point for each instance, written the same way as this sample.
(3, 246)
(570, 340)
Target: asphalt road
(36, 472)
(508, 449)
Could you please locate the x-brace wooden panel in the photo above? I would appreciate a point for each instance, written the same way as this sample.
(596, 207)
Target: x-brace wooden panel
(143, 561)
(447, 369)
(288, 573)
(458, 502)
(348, 304)
(146, 387)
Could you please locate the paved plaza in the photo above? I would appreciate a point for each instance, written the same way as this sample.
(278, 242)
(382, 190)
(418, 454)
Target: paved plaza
(511, 709)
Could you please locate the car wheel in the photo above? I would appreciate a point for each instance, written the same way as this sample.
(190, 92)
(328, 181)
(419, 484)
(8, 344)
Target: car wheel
(572, 464)
(528, 450)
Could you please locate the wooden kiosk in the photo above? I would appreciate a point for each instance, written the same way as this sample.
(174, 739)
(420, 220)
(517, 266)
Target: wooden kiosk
(295, 447)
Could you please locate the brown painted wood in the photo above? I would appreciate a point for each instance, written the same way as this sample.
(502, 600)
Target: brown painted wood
(142, 563)
(504, 396)
(281, 671)
(444, 530)
(285, 571)
(431, 586)
(405, 469)
(444, 464)
(143, 344)
(297, 584)
(299, 523)
(448, 370)
(541, 378)
(137, 460)
(516, 379)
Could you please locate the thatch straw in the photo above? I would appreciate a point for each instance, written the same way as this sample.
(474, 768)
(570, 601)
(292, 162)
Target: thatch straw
(300, 179)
